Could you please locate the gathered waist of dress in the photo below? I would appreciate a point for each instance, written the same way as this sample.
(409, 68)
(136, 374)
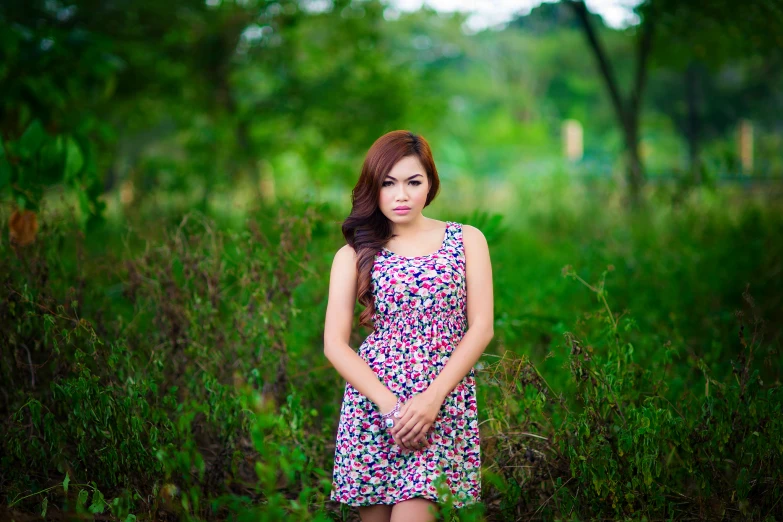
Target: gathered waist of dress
(410, 315)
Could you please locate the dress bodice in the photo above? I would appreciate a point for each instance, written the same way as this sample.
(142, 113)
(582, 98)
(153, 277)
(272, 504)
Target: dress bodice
(429, 284)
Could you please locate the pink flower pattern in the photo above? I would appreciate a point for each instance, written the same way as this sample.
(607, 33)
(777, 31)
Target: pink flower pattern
(420, 317)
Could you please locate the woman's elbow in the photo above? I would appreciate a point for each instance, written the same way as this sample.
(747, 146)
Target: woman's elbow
(331, 345)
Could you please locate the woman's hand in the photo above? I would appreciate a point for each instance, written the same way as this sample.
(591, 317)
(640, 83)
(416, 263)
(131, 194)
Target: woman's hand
(417, 415)
(418, 444)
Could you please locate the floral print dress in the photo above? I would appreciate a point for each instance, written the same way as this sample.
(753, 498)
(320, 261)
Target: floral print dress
(420, 317)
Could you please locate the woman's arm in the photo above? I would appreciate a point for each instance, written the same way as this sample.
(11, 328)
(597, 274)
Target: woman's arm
(480, 314)
(337, 330)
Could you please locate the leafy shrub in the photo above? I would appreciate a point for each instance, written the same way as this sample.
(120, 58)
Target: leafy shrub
(626, 451)
(169, 409)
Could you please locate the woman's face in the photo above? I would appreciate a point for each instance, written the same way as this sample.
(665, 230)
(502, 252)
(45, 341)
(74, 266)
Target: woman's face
(406, 185)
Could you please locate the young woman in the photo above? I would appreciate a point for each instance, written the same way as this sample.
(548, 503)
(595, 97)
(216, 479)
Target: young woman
(408, 421)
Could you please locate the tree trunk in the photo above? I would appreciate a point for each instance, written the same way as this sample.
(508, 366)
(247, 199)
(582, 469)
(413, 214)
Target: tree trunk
(627, 114)
(634, 164)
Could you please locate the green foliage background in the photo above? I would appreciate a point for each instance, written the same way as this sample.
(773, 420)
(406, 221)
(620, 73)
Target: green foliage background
(190, 164)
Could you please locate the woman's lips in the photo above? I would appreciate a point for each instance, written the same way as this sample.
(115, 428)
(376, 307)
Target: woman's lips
(402, 210)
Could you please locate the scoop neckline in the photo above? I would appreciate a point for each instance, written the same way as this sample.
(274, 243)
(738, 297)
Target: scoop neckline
(438, 251)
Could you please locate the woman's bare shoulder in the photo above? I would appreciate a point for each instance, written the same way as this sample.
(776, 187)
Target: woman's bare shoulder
(473, 234)
(346, 251)
(345, 256)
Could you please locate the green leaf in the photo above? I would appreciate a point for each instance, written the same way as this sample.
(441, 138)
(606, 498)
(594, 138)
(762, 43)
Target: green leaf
(130, 518)
(98, 502)
(66, 481)
(85, 207)
(74, 160)
(82, 498)
(51, 158)
(5, 172)
(32, 139)
(44, 505)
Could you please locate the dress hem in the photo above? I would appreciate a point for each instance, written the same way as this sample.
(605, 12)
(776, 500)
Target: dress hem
(455, 504)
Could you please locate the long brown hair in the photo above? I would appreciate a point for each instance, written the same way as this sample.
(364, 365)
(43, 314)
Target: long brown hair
(367, 229)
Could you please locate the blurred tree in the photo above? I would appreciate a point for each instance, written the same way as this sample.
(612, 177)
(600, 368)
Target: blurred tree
(565, 83)
(687, 24)
(52, 75)
(549, 17)
(627, 111)
(187, 94)
(726, 65)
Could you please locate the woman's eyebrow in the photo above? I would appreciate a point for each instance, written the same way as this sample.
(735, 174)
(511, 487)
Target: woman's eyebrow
(410, 178)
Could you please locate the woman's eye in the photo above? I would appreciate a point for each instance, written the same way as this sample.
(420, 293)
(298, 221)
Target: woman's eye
(389, 183)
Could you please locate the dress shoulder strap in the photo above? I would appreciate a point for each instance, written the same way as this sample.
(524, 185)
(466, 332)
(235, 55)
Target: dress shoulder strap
(454, 239)
(458, 238)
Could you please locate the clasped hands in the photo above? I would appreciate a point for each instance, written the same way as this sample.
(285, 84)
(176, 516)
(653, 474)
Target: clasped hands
(417, 415)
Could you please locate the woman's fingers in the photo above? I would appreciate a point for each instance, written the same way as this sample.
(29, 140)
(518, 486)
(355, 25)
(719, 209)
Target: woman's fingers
(416, 438)
(417, 431)
(398, 440)
(404, 443)
(426, 436)
(407, 443)
(421, 441)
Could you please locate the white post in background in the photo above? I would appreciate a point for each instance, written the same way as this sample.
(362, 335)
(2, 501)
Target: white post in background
(266, 183)
(745, 145)
(572, 140)
(126, 192)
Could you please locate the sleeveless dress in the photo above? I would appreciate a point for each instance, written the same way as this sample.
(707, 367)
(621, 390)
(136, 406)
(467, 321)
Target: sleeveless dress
(420, 317)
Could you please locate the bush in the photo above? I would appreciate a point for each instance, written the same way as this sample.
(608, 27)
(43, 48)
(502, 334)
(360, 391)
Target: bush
(626, 451)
